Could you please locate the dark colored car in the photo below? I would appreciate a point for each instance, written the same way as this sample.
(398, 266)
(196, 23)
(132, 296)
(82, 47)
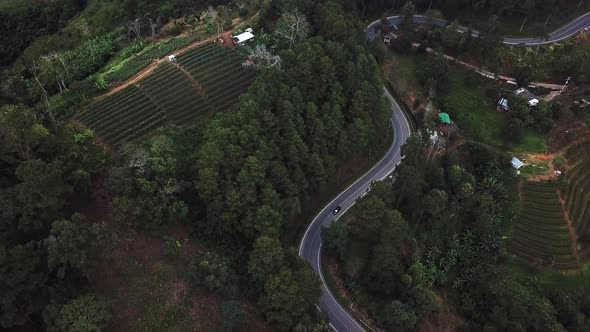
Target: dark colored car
(336, 210)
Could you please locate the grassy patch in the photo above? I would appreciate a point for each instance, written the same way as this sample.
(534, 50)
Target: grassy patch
(475, 114)
(14, 5)
(399, 71)
(532, 141)
(155, 298)
(98, 17)
(534, 169)
(131, 60)
(477, 117)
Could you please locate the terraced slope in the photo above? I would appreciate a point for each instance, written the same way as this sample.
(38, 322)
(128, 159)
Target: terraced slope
(577, 194)
(219, 71)
(123, 116)
(175, 93)
(541, 235)
(204, 80)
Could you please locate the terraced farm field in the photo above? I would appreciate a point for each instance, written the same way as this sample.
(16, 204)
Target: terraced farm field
(204, 80)
(541, 235)
(577, 194)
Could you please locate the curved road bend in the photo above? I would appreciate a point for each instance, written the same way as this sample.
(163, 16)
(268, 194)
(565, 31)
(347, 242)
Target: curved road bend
(564, 32)
(310, 248)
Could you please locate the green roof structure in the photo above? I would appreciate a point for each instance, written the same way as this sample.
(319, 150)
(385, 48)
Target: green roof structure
(444, 118)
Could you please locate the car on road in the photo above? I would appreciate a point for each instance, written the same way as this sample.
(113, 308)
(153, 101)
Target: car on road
(336, 210)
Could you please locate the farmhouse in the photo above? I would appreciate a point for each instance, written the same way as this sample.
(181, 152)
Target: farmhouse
(243, 38)
(503, 105)
(528, 96)
(516, 163)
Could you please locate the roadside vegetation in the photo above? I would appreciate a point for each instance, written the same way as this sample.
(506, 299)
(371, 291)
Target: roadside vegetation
(440, 230)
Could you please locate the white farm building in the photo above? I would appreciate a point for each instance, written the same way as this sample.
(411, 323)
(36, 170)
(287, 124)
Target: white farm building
(243, 38)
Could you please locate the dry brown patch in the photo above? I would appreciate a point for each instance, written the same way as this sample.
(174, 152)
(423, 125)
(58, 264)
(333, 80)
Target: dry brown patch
(440, 322)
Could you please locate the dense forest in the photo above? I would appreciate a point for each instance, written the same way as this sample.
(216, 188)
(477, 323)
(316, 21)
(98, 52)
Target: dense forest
(235, 178)
(440, 250)
(452, 8)
(426, 246)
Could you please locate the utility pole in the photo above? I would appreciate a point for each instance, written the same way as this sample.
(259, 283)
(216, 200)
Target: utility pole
(523, 22)
(580, 4)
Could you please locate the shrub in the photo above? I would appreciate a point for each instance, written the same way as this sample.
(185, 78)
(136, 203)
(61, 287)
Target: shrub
(211, 271)
(85, 313)
(230, 315)
(416, 103)
(558, 161)
(172, 247)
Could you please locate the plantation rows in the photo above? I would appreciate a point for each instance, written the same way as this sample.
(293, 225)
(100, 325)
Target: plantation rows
(174, 92)
(214, 82)
(541, 234)
(577, 193)
(220, 72)
(122, 116)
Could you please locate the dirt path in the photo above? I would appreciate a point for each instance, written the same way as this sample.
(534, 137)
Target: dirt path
(507, 79)
(150, 68)
(570, 225)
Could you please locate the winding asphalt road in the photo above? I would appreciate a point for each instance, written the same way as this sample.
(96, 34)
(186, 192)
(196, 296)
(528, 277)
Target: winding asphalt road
(566, 31)
(311, 244)
(310, 247)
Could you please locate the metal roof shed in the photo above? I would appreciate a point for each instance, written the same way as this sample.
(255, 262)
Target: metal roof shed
(243, 38)
(516, 163)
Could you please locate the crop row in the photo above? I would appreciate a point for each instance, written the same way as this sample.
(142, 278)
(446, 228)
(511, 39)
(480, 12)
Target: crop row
(231, 96)
(202, 60)
(578, 191)
(567, 262)
(201, 63)
(168, 94)
(106, 103)
(577, 186)
(135, 128)
(106, 112)
(104, 118)
(202, 72)
(541, 233)
(176, 95)
(195, 51)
